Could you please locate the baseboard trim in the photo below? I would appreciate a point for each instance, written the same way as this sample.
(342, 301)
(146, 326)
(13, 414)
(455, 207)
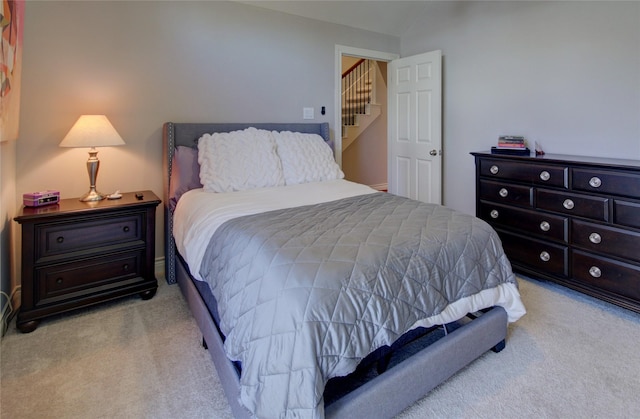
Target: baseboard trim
(158, 268)
(380, 186)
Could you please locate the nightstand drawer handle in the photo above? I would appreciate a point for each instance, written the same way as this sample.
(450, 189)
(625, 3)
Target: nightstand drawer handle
(595, 272)
(545, 256)
(125, 229)
(503, 192)
(59, 281)
(494, 214)
(494, 170)
(545, 226)
(544, 175)
(595, 182)
(568, 204)
(595, 238)
(60, 239)
(125, 267)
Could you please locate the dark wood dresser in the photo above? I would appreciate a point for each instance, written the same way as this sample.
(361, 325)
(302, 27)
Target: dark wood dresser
(570, 219)
(76, 254)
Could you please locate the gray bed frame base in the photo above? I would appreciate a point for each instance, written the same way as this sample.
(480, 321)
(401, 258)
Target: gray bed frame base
(384, 396)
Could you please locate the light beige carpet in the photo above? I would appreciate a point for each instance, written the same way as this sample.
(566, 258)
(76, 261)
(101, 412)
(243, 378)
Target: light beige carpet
(570, 357)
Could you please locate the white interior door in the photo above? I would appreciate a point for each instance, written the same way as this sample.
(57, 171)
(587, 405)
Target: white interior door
(415, 127)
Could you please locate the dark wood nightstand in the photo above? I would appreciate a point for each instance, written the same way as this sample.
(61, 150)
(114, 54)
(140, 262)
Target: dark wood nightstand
(75, 254)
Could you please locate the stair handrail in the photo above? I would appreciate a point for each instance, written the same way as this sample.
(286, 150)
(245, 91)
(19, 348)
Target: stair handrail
(350, 69)
(354, 79)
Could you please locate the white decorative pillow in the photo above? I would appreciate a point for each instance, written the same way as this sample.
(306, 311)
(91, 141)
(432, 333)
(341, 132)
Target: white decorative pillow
(239, 160)
(306, 158)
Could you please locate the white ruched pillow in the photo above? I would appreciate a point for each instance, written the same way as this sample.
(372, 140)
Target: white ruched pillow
(239, 160)
(306, 158)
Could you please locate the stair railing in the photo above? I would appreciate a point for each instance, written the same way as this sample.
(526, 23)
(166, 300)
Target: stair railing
(355, 90)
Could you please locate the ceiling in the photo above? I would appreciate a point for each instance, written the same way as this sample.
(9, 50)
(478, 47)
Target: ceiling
(390, 17)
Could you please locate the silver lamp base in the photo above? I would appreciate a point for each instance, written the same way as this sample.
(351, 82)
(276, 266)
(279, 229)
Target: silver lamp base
(92, 195)
(93, 164)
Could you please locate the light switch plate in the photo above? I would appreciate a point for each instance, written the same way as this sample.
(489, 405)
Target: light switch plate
(307, 113)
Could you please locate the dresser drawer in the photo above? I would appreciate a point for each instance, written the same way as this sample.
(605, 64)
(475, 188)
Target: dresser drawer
(545, 225)
(89, 234)
(549, 258)
(626, 213)
(603, 239)
(56, 283)
(606, 182)
(541, 174)
(506, 193)
(594, 207)
(613, 276)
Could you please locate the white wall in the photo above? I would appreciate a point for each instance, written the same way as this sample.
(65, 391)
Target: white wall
(144, 63)
(565, 74)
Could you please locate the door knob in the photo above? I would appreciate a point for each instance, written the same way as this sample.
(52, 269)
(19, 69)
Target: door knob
(433, 152)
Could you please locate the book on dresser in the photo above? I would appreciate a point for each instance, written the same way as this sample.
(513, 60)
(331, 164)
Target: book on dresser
(511, 144)
(573, 220)
(511, 141)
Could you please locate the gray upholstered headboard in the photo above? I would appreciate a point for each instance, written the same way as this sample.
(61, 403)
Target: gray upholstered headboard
(187, 134)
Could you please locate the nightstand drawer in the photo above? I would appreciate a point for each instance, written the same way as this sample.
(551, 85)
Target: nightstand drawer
(617, 277)
(72, 280)
(92, 233)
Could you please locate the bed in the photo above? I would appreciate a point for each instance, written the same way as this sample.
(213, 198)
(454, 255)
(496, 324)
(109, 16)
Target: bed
(361, 333)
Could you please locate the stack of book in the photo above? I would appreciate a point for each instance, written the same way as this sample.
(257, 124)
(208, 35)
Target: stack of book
(511, 144)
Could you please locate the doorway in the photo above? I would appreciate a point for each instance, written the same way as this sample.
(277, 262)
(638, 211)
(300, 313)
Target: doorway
(356, 154)
(414, 135)
(364, 121)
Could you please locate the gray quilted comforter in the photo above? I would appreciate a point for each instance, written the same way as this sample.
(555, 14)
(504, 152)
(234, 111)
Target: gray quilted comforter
(305, 293)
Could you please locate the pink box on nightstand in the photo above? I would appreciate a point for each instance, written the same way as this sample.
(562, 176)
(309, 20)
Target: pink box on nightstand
(37, 199)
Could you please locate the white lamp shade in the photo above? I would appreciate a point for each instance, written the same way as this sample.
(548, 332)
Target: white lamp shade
(92, 131)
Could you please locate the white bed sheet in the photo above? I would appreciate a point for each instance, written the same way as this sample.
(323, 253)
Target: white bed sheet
(198, 214)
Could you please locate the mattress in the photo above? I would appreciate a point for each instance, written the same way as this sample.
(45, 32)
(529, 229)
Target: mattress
(199, 215)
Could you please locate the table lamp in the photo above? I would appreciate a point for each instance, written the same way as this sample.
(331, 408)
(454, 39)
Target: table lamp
(92, 131)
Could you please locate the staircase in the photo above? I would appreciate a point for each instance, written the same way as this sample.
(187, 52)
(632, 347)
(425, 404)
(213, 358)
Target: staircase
(359, 108)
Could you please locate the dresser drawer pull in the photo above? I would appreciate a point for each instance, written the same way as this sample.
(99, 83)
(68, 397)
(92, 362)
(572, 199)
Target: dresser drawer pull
(545, 226)
(544, 175)
(125, 267)
(568, 204)
(595, 238)
(595, 182)
(494, 170)
(545, 256)
(595, 272)
(59, 281)
(503, 192)
(125, 229)
(60, 239)
(494, 214)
